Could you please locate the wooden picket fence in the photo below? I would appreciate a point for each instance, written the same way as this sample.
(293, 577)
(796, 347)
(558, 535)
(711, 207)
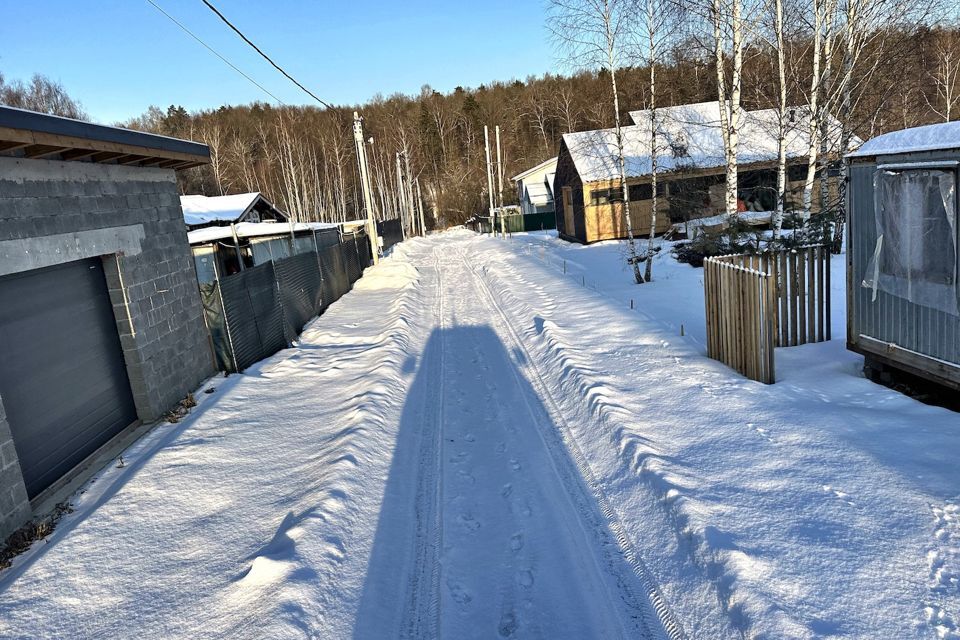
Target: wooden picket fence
(757, 302)
(741, 317)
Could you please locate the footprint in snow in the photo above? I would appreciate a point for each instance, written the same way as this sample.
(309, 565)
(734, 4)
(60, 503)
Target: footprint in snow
(516, 542)
(508, 624)
(468, 522)
(457, 591)
(525, 578)
(460, 457)
(470, 437)
(501, 447)
(465, 476)
(516, 466)
(507, 490)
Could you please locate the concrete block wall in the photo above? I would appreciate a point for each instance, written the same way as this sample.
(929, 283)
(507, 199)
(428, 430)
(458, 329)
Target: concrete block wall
(14, 504)
(53, 212)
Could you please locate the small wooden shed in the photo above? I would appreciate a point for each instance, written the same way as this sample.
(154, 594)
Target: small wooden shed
(902, 289)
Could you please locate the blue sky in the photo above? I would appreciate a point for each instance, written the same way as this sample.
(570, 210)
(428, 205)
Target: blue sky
(120, 56)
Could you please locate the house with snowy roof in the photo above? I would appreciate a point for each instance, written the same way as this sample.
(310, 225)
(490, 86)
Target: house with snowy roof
(211, 211)
(691, 170)
(535, 188)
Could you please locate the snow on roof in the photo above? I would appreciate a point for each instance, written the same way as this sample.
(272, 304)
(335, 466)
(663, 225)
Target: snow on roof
(691, 137)
(945, 135)
(252, 230)
(199, 209)
(542, 165)
(538, 193)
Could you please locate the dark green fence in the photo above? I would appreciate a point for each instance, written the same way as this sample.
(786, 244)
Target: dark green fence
(255, 313)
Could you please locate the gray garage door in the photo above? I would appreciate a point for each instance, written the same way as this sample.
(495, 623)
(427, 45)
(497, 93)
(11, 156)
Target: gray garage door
(62, 376)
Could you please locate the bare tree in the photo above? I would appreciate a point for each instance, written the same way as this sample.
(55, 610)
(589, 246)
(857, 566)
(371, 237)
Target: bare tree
(595, 33)
(658, 21)
(946, 76)
(41, 94)
(726, 18)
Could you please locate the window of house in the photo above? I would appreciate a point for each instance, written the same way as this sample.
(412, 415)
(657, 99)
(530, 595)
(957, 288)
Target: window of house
(916, 251)
(606, 196)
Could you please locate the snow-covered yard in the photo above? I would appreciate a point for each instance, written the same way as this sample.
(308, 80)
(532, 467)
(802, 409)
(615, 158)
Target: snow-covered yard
(484, 440)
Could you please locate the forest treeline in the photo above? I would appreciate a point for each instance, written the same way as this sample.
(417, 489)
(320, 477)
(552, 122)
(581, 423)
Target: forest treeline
(303, 158)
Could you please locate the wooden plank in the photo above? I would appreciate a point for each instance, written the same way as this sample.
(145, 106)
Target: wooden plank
(36, 151)
(771, 301)
(801, 296)
(13, 146)
(753, 342)
(793, 299)
(77, 154)
(784, 319)
(823, 263)
(826, 284)
(810, 297)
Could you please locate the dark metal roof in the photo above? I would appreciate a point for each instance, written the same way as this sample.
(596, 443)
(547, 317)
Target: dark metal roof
(34, 121)
(42, 135)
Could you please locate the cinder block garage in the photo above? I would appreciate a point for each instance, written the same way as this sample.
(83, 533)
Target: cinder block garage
(101, 325)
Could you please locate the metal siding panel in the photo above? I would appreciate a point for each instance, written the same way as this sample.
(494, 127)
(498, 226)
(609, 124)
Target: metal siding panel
(252, 310)
(62, 377)
(893, 319)
(299, 281)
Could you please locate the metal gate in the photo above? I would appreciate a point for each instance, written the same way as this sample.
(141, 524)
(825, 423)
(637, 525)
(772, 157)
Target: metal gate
(63, 380)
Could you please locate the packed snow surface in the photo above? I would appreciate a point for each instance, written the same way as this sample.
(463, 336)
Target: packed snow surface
(483, 440)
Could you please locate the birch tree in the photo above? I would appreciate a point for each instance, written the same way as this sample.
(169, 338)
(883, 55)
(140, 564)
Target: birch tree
(596, 33)
(726, 18)
(659, 19)
(946, 76)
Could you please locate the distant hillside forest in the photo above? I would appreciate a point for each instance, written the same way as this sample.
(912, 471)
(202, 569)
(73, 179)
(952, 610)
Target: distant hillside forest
(303, 157)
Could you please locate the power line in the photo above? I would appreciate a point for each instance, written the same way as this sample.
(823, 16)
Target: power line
(265, 56)
(209, 48)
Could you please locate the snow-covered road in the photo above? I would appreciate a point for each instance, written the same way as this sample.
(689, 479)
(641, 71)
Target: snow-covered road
(473, 444)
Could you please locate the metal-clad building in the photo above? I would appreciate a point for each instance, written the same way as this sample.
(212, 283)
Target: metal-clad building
(902, 253)
(101, 325)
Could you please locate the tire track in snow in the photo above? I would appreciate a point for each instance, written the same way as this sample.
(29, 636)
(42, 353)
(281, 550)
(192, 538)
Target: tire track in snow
(421, 615)
(654, 615)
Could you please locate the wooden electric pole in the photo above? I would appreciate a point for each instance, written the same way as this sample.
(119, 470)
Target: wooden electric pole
(401, 201)
(486, 143)
(365, 186)
(423, 227)
(503, 220)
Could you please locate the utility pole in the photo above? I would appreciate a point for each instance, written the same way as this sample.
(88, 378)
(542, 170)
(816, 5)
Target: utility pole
(411, 206)
(365, 184)
(404, 219)
(503, 221)
(486, 143)
(423, 227)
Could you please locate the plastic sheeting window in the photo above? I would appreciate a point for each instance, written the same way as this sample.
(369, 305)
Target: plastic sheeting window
(204, 258)
(267, 249)
(915, 257)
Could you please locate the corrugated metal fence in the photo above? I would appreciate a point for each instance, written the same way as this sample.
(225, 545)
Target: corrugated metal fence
(391, 232)
(261, 310)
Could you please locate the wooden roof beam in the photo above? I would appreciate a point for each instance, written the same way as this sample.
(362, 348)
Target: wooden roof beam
(105, 156)
(42, 151)
(77, 154)
(13, 146)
